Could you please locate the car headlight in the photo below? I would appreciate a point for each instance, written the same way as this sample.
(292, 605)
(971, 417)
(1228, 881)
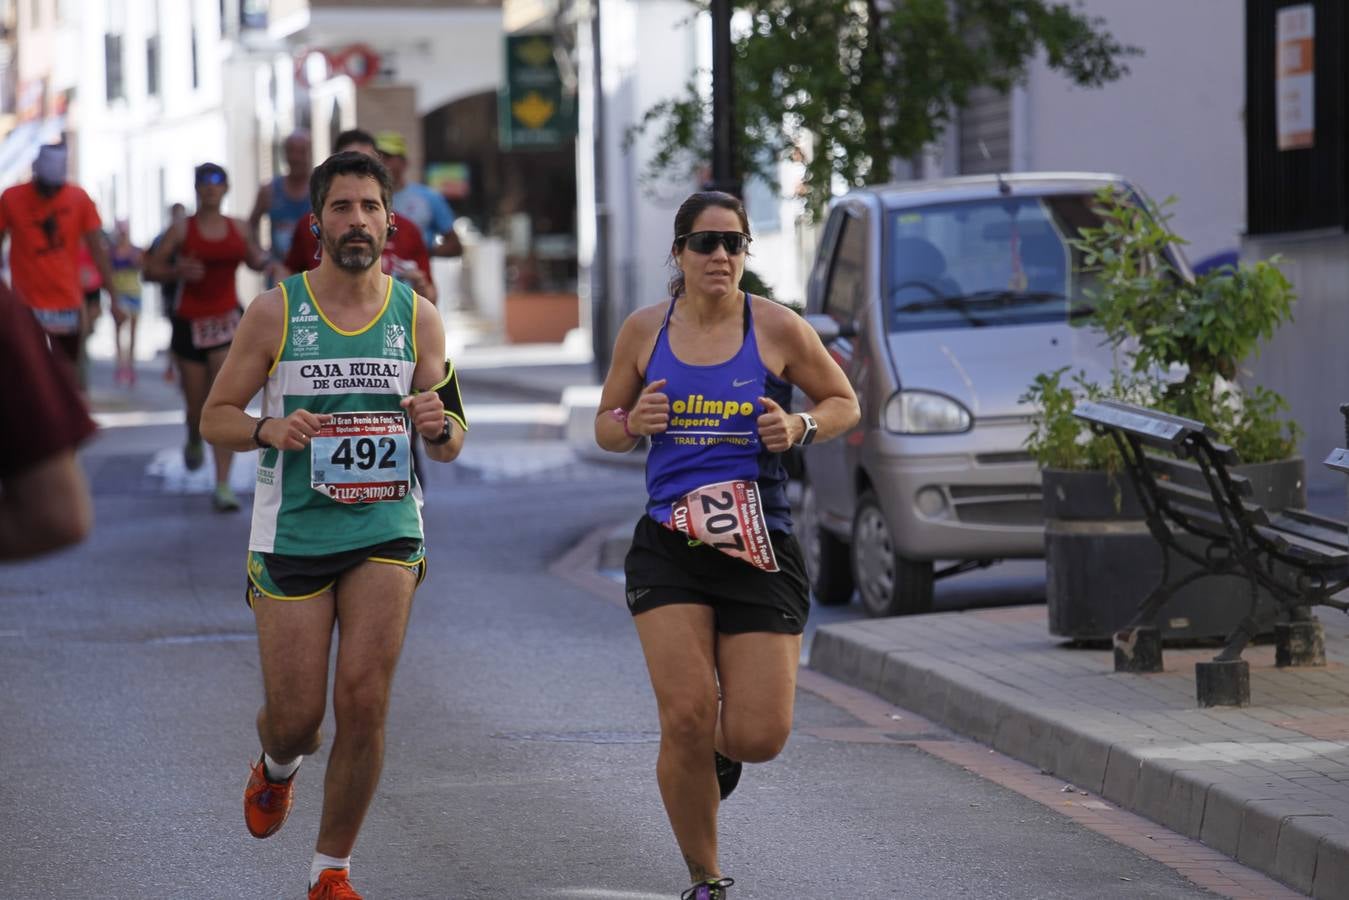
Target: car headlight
(923, 412)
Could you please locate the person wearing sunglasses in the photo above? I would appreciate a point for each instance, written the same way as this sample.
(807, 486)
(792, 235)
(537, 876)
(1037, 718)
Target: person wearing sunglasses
(203, 253)
(715, 581)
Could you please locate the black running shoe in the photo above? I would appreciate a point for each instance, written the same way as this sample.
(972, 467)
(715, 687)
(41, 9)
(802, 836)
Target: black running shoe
(728, 774)
(712, 889)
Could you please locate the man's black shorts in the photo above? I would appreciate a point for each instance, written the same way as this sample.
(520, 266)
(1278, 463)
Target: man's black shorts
(301, 577)
(662, 568)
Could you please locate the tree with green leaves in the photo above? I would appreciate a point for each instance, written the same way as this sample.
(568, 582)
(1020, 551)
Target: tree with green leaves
(864, 82)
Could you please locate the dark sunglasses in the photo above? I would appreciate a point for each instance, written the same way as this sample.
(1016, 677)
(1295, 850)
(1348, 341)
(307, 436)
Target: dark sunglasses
(706, 241)
(211, 178)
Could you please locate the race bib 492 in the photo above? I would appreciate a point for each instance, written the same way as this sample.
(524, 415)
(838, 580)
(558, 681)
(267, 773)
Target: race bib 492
(727, 516)
(362, 457)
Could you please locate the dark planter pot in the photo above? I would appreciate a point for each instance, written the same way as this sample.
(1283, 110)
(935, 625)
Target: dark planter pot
(1101, 561)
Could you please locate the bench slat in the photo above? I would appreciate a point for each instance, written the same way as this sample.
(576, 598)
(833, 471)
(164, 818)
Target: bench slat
(1317, 528)
(1203, 500)
(1304, 548)
(1189, 474)
(1151, 428)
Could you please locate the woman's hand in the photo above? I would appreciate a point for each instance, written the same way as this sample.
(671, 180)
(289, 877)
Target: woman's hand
(777, 427)
(189, 268)
(651, 414)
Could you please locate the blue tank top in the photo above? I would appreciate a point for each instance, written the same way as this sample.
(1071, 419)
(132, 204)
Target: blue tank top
(283, 213)
(713, 433)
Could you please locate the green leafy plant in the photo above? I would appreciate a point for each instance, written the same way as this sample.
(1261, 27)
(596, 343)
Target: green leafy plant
(848, 87)
(1181, 340)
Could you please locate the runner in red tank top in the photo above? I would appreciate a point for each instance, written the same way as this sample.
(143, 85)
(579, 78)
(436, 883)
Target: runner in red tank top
(206, 250)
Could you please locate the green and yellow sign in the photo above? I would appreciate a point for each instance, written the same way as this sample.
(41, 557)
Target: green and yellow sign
(536, 108)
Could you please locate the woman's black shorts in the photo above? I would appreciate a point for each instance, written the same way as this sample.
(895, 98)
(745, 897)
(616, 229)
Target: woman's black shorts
(662, 568)
(180, 343)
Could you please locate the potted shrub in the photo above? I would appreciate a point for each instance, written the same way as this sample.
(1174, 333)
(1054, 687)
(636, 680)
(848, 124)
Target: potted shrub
(1179, 342)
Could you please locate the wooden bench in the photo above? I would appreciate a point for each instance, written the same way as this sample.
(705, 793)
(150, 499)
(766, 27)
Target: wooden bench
(1198, 509)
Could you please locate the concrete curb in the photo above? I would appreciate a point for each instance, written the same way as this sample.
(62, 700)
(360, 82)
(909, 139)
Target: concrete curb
(1229, 811)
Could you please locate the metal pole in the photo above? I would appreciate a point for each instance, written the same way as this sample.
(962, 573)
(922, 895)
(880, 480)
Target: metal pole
(724, 176)
(601, 326)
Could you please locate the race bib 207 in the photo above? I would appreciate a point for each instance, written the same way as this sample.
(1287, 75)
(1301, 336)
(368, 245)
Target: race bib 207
(727, 516)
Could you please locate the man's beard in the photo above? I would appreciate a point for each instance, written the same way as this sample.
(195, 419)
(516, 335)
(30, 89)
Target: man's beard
(353, 255)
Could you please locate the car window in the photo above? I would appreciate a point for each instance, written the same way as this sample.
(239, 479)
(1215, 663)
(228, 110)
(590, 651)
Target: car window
(847, 271)
(1004, 261)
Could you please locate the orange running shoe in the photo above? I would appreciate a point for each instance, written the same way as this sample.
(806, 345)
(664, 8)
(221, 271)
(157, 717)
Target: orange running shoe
(333, 885)
(266, 803)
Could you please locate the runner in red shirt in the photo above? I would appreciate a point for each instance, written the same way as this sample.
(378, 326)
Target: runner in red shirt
(47, 221)
(44, 498)
(207, 250)
(405, 255)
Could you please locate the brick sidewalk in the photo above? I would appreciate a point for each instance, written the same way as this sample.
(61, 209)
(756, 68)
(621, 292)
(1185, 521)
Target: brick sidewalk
(1266, 784)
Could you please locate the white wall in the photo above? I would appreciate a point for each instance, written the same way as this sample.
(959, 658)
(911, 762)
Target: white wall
(446, 53)
(650, 50)
(1173, 125)
(137, 153)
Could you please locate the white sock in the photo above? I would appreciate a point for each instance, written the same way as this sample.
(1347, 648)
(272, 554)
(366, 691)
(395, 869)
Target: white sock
(322, 862)
(279, 771)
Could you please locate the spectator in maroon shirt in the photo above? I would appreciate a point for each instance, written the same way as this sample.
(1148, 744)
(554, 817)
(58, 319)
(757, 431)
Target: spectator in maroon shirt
(44, 499)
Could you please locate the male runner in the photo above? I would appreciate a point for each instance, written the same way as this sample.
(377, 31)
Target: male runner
(404, 255)
(47, 220)
(284, 201)
(351, 363)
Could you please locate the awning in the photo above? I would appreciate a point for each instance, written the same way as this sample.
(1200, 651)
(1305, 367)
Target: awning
(19, 148)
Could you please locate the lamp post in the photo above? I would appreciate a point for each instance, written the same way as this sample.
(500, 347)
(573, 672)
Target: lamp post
(724, 176)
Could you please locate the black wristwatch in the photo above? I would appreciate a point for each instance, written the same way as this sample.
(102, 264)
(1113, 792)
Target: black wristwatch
(257, 435)
(445, 434)
(809, 434)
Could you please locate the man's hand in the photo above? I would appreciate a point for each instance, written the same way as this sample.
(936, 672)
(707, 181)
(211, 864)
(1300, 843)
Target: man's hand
(294, 431)
(777, 427)
(427, 412)
(651, 415)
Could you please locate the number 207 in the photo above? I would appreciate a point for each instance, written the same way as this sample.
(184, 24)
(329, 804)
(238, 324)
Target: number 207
(722, 522)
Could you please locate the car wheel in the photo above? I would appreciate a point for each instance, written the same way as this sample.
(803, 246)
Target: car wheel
(889, 584)
(827, 562)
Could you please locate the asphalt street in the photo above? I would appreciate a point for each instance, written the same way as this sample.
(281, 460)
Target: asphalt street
(522, 737)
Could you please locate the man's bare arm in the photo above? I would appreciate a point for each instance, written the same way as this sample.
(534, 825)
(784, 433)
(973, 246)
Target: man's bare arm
(44, 507)
(425, 406)
(261, 205)
(223, 420)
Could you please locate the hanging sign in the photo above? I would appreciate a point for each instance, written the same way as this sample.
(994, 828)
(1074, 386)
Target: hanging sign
(1294, 78)
(536, 111)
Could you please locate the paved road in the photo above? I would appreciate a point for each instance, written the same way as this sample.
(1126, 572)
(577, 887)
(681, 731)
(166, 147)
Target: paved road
(522, 735)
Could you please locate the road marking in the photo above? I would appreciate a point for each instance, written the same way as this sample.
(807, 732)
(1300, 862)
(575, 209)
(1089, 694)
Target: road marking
(485, 413)
(602, 894)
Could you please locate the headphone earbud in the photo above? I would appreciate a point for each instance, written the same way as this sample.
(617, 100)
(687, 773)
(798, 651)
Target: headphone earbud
(314, 229)
(388, 235)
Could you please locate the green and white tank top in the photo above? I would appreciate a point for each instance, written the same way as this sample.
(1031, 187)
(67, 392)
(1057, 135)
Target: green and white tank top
(355, 485)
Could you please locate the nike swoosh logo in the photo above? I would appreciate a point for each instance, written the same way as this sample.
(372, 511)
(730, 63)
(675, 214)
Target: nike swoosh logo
(739, 383)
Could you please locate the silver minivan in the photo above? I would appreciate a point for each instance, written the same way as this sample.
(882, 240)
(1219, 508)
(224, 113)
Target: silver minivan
(941, 300)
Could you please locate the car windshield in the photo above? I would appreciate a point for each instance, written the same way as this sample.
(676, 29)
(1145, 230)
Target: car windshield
(996, 262)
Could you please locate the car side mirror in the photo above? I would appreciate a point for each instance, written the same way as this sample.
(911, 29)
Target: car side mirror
(829, 329)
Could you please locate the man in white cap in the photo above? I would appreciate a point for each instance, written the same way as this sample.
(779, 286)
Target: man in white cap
(47, 220)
